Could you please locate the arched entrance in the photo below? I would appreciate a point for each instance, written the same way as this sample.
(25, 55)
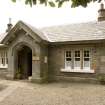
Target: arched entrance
(24, 63)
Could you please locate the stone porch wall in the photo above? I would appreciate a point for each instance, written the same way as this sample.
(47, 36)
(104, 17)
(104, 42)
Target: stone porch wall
(101, 59)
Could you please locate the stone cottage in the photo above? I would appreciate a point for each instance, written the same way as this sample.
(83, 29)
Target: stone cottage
(53, 53)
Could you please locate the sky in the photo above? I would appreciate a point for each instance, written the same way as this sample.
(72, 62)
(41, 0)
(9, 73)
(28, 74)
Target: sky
(41, 16)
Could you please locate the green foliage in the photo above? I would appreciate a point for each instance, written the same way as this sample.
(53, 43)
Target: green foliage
(60, 2)
(84, 3)
(13, 0)
(101, 78)
(51, 3)
(75, 3)
(19, 74)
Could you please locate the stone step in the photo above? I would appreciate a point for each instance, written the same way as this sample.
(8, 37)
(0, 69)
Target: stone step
(77, 79)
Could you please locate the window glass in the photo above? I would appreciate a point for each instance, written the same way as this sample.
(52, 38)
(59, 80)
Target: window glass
(86, 59)
(3, 59)
(77, 59)
(68, 59)
(77, 63)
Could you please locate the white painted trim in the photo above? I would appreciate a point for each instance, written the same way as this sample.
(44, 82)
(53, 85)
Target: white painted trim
(85, 68)
(3, 66)
(3, 56)
(78, 70)
(77, 61)
(68, 61)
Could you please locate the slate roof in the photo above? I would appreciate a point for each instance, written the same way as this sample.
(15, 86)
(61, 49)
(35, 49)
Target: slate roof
(2, 36)
(71, 32)
(76, 32)
(37, 31)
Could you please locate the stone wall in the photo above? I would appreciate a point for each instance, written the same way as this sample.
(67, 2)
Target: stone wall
(57, 60)
(51, 58)
(101, 59)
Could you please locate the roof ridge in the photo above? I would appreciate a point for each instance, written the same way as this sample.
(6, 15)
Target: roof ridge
(68, 24)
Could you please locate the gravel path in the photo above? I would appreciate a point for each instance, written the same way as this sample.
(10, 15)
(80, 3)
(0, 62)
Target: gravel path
(54, 94)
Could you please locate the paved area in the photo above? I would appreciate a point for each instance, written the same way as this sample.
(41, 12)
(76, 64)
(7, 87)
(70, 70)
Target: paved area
(23, 93)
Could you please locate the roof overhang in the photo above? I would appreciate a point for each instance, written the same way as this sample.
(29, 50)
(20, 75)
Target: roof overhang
(78, 42)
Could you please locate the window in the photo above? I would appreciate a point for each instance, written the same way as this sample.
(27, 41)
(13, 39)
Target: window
(78, 61)
(86, 59)
(3, 59)
(68, 62)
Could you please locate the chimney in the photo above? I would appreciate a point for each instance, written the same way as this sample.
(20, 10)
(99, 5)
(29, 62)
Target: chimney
(101, 11)
(9, 25)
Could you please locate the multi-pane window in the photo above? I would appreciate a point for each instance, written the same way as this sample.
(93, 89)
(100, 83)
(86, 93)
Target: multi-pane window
(86, 59)
(3, 59)
(77, 63)
(68, 59)
(77, 59)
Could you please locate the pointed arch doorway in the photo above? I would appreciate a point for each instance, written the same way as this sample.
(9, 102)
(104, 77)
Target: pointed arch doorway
(24, 62)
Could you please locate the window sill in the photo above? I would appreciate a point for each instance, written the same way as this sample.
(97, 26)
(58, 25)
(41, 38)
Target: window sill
(78, 71)
(3, 67)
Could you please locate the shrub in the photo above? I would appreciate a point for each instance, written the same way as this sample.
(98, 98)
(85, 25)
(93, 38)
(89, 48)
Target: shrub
(101, 78)
(18, 74)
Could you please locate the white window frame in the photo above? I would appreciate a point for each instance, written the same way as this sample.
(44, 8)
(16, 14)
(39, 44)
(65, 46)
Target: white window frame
(3, 59)
(81, 68)
(6, 59)
(69, 57)
(87, 68)
(77, 57)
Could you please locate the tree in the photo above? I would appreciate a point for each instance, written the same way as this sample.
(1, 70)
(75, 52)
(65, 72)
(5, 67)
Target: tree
(59, 3)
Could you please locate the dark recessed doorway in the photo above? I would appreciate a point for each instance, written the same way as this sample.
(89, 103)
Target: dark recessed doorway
(24, 63)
